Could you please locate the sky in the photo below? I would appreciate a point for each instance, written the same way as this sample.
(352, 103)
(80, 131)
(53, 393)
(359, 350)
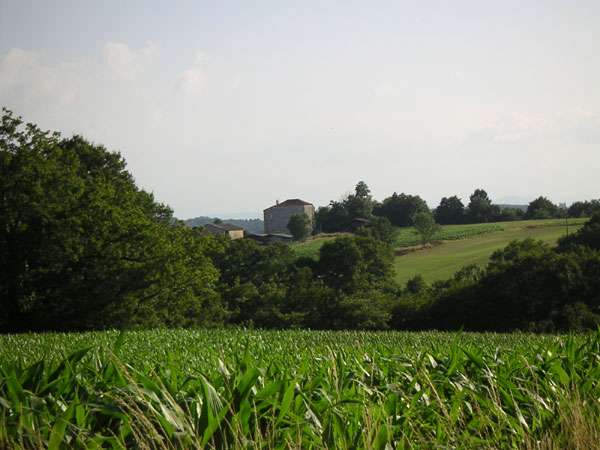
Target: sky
(221, 108)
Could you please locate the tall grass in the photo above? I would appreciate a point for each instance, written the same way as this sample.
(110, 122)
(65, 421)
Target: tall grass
(238, 389)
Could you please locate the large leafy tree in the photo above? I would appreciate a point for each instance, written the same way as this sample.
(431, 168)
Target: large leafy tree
(332, 218)
(450, 211)
(400, 208)
(480, 207)
(352, 264)
(359, 204)
(541, 208)
(81, 246)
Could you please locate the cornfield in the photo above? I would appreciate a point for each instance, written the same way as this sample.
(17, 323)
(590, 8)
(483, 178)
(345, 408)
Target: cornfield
(299, 389)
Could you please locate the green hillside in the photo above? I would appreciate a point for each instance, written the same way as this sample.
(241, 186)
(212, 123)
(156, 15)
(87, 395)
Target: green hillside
(310, 247)
(443, 260)
(457, 245)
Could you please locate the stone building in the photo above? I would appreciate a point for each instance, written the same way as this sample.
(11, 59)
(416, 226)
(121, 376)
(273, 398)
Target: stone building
(225, 229)
(278, 216)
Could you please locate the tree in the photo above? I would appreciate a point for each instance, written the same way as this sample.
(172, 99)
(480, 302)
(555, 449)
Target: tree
(351, 264)
(587, 236)
(425, 225)
(416, 284)
(541, 208)
(399, 209)
(81, 246)
(332, 218)
(379, 228)
(584, 209)
(480, 207)
(450, 211)
(359, 204)
(299, 225)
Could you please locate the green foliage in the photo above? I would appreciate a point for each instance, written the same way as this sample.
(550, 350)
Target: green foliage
(526, 286)
(332, 218)
(450, 211)
(542, 208)
(470, 244)
(584, 209)
(416, 285)
(480, 209)
(587, 236)
(338, 216)
(359, 204)
(300, 226)
(192, 389)
(400, 209)
(82, 247)
(378, 228)
(355, 263)
(425, 225)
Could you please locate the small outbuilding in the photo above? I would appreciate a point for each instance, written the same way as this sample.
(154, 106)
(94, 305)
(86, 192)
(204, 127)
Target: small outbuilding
(225, 229)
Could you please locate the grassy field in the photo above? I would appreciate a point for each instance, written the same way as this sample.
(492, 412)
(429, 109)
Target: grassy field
(408, 236)
(458, 245)
(299, 389)
(442, 261)
(310, 247)
(405, 237)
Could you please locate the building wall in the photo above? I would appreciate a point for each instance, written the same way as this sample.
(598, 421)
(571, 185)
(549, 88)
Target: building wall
(277, 219)
(236, 234)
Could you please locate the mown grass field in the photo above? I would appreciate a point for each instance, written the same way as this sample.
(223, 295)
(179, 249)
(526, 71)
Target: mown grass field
(299, 389)
(310, 247)
(457, 245)
(405, 237)
(442, 261)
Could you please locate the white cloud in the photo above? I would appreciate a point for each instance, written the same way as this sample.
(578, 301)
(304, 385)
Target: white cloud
(25, 78)
(126, 63)
(192, 81)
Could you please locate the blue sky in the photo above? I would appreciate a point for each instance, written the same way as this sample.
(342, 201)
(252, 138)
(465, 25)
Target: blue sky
(224, 107)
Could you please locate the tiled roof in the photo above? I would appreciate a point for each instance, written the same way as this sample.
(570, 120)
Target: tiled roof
(291, 202)
(225, 226)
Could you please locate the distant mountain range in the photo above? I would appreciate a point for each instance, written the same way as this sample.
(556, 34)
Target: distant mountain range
(250, 225)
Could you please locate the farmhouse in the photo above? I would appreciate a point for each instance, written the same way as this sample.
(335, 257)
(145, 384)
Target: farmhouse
(225, 229)
(278, 216)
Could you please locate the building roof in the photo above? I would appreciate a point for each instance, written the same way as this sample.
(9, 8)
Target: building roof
(291, 202)
(225, 226)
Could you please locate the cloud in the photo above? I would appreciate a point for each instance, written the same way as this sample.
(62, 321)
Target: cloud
(192, 81)
(25, 78)
(126, 63)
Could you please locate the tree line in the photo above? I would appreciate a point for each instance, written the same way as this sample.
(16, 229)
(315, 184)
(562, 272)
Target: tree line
(400, 210)
(82, 247)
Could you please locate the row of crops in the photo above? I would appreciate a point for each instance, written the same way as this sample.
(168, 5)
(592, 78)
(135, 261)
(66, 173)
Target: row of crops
(408, 236)
(299, 389)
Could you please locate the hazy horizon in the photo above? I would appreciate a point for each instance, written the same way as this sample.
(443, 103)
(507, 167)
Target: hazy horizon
(228, 107)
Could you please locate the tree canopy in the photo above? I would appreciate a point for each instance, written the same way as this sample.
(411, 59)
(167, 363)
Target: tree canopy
(450, 211)
(401, 208)
(541, 208)
(480, 207)
(81, 246)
